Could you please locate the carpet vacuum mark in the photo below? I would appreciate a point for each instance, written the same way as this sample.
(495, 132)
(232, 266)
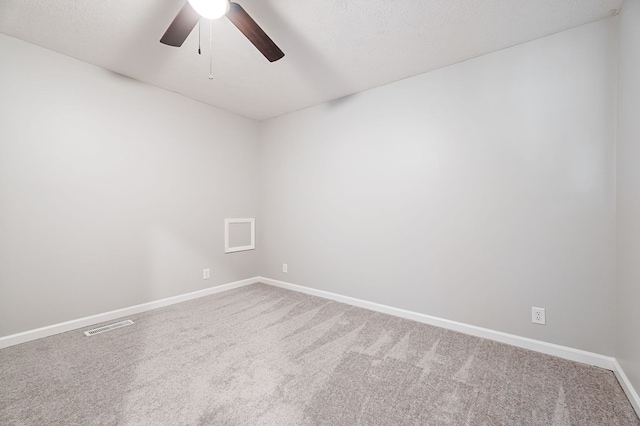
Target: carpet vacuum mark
(261, 355)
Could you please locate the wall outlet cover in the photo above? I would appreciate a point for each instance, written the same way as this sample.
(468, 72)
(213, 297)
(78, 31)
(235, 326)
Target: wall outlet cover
(538, 316)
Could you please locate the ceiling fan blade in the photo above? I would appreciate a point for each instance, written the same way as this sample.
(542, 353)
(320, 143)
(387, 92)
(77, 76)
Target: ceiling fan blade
(181, 26)
(241, 19)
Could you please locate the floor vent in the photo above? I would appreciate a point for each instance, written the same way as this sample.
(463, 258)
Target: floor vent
(108, 327)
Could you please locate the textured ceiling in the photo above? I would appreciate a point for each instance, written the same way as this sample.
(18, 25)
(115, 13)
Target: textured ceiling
(333, 47)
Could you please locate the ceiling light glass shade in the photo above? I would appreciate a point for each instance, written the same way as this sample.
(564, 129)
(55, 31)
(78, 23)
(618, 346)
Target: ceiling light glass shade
(210, 9)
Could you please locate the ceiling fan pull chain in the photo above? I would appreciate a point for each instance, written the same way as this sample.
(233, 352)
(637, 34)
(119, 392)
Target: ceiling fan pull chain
(199, 51)
(210, 50)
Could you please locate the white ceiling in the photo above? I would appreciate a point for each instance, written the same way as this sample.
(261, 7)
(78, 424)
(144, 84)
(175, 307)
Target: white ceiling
(333, 47)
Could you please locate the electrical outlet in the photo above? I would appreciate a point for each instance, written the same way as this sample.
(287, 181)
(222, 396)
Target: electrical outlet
(285, 268)
(206, 273)
(538, 316)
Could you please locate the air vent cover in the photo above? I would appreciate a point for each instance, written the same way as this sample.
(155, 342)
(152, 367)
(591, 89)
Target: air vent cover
(108, 327)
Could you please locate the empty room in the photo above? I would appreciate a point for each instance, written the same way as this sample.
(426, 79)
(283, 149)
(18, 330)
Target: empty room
(331, 212)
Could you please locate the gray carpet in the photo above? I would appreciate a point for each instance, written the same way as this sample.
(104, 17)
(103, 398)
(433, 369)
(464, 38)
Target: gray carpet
(261, 355)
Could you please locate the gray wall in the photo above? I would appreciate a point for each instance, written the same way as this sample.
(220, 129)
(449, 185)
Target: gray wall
(628, 193)
(471, 193)
(112, 192)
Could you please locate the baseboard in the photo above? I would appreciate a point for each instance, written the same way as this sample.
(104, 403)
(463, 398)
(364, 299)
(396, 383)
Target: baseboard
(565, 352)
(560, 351)
(627, 386)
(50, 330)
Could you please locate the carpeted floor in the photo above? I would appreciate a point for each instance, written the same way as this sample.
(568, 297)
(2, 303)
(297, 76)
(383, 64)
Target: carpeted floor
(261, 355)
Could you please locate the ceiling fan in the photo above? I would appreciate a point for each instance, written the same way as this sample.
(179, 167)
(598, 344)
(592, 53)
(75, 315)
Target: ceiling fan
(186, 20)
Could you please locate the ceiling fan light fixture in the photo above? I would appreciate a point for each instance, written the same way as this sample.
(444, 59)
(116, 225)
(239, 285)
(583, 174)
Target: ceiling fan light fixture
(210, 9)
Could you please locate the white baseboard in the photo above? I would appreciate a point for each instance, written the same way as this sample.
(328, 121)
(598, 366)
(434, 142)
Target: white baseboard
(627, 386)
(50, 330)
(565, 352)
(560, 351)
